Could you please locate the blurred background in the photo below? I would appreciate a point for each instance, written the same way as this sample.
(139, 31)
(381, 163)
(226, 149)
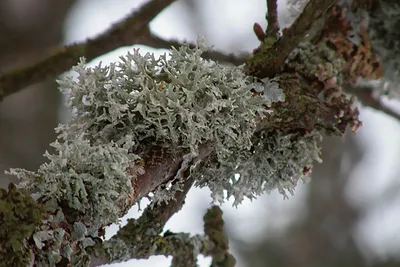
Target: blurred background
(349, 215)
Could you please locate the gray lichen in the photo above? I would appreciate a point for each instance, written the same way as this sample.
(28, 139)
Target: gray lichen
(277, 161)
(179, 101)
(88, 178)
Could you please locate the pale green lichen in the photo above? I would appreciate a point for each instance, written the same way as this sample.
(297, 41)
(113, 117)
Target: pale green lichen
(181, 101)
(87, 178)
(277, 161)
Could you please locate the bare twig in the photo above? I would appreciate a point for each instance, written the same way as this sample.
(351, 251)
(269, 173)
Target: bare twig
(272, 18)
(157, 42)
(140, 235)
(365, 95)
(274, 57)
(128, 32)
(133, 30)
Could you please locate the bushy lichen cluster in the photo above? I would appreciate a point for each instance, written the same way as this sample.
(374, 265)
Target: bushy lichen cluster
(180, 101)
(276, 161)
(88, 178)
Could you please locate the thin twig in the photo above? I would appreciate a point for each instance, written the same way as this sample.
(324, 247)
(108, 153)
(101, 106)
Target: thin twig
(131, 31)
(126, 32)
(157, 42)
(272, 19)
(365, 95)
(275, 56)
(140, 235)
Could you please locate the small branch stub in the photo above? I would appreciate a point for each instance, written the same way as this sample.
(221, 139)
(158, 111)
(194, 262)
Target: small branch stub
(272, 19)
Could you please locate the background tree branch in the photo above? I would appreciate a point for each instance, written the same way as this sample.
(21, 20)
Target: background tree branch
(134, 30)
(128, 32)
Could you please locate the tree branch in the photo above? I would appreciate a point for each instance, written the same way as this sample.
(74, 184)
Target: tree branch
(157, 42)
(268, 61)
(214, 229)
(365, 95)
(127, 32)
(139, 236)
(183, 247)
(272, 18)
(133, 30)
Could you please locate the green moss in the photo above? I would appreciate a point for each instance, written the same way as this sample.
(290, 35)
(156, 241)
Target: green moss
(214, 229)
(19, 217)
